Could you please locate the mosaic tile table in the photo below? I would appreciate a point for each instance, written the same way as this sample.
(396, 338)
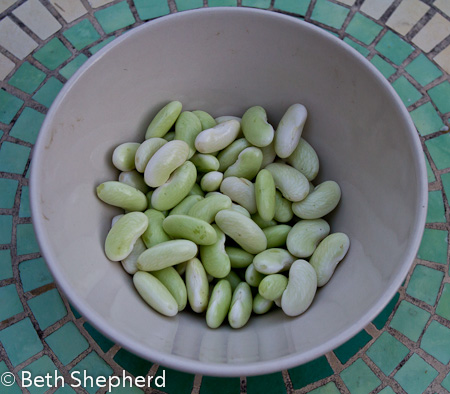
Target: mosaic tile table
(406, 349)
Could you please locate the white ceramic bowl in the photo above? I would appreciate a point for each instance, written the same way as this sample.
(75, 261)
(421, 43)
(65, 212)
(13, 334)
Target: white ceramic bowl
(224, 61)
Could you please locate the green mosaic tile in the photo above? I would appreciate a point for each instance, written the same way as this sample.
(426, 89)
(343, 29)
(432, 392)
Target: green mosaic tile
(67, 342)
(359, 378)
(82, 34)
(149, 10)
(104, 343)
(70, 68)
(436, 210)
(329, 13)
(310, 372)
(174, 381)
(220, 385)
(95, 367)
(11, 304)
(259, 384)
(256, 3)
(443, 306)
(415, 375)
(27, 78)
(294, 6)
(410, 320)
(20, 341)
(5, 229)
(439, 149)
(115, 17)
(8, 194)
(426, 119)
(394, 48)
(34, 273)
(362, 50)
(9, 106)
(99, 46)
(446, 382)
(387, 352)
(52, 54)
(423, 70)
(434, 246)
(383, 66)
(5, 264)
(183, 5)
(48, 92)
(425, 283)
(407, 92)
(222, 3)
(363, 28)
(133, 364)
(387, 390)
(436, 342)
(13, 157)
(27, 125)
(40, 368)
(440, 95)
(329, 388)
(76, 314)
(346, 351)
(24, 210)
(430, 173)
(26, 239)
(14, 388)
(47, 308)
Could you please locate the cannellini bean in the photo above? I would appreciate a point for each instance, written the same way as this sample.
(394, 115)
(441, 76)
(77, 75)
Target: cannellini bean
(272, 286)
(207, 208)
(123, 156)
(197, 285)
(191, 228)
(272, 261)
(241, 306)
(145, 152)
(217, 137)
(323, 199)
(219, 304)
(187, 128)
(121, 195)
(255, 127)
(172, 280)
(305, 159)
(305, 236)
(265, 195)
(164, 120)
(247, 165)
(241, 191)
(289, 130)
(291, 182)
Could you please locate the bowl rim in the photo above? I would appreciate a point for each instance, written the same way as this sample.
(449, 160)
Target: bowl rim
(223, 369)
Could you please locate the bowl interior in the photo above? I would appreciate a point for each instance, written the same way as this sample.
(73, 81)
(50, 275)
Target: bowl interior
(224, 61)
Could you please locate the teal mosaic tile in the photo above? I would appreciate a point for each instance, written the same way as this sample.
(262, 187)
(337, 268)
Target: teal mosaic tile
(133, 364)
(346, 351)
(256, 3)
(9, 106)
(175, 381)
(220, 385)
(14, 388)
(425, 283)
(430, 173)
(440, 95)
(124, 388)
(27, 78)
(115, 17)
(104, 343)
(329, 13)
(426, 119)
(48, 92)
(394, 48)
(65, 390)
(436, 210)
(76, 314)
(95, 367)
(259, 384)
(222, 3)
(69, 69)
(11, 304)
(8, 194)
(13, 157)
(439, 149)
(443, 306)
(24, 210)
(310, 372)
(383, 66)
(415, 375)
(6, 271)
(410, 320)
(423, 70)
(99, 46)
(47, 308)
(434, 246)
(362, 50)
(359, 378)
(329, 388)
(407, 92)
(149, 10)
(436, 342)
(40, 368)
(446, 382)
(183, 5)
(27, 125)
(20, 341)
(34, 273)
(52, 54)
(387, 390)
(67, 342)
(5, 229)
(363, 28)
(82, 34)
(294, 6)
(26, 239)
(387, 352)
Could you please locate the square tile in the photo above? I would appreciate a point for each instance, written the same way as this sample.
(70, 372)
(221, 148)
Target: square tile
(47, 308)
(48, 92)
(329, 13)
(346, 351)
(149, 10)
(359, 378)
(415, 375)
(9, 106)
(95, 367)
(100, 45)
(436, 210)
(20, 341)
(426, 119)
(375, 8)
(52, 54)
(70, 68)
(446, 382)
(423, 70)
(383, 66)
(99, 3)
(15, 40)
(133, 364)
(69, 9)
(183, 5)
(6, 271)
(14, 388)
(27, 125)
(310, 372)
(436, 342)
(6, 222)
(425, 283)
(24, 209)
(27, 78)
(362, 50)
(406, 15)
(363, 28)
(67, 342)
(329, 388)
(6, 66)
(443, 59)
(176, 381)
(387, 352)
(434, 246)
(410, 320)
(215, 385)
(407, 92)
(11, 304)
(104, 343)
(443, 306)
(256, 3)
(34, 273)
(293, 6)
(259, 384)
(440, 94)
(436, 30)
(13, 157)
(41, 367)
(394, 48)
(443, 5)
(82, 34)
(8, 194)
(26, 239)
(115, 17)
(387, 390)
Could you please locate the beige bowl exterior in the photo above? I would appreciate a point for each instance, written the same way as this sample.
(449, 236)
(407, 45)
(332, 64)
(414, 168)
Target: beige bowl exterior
(224, 61)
